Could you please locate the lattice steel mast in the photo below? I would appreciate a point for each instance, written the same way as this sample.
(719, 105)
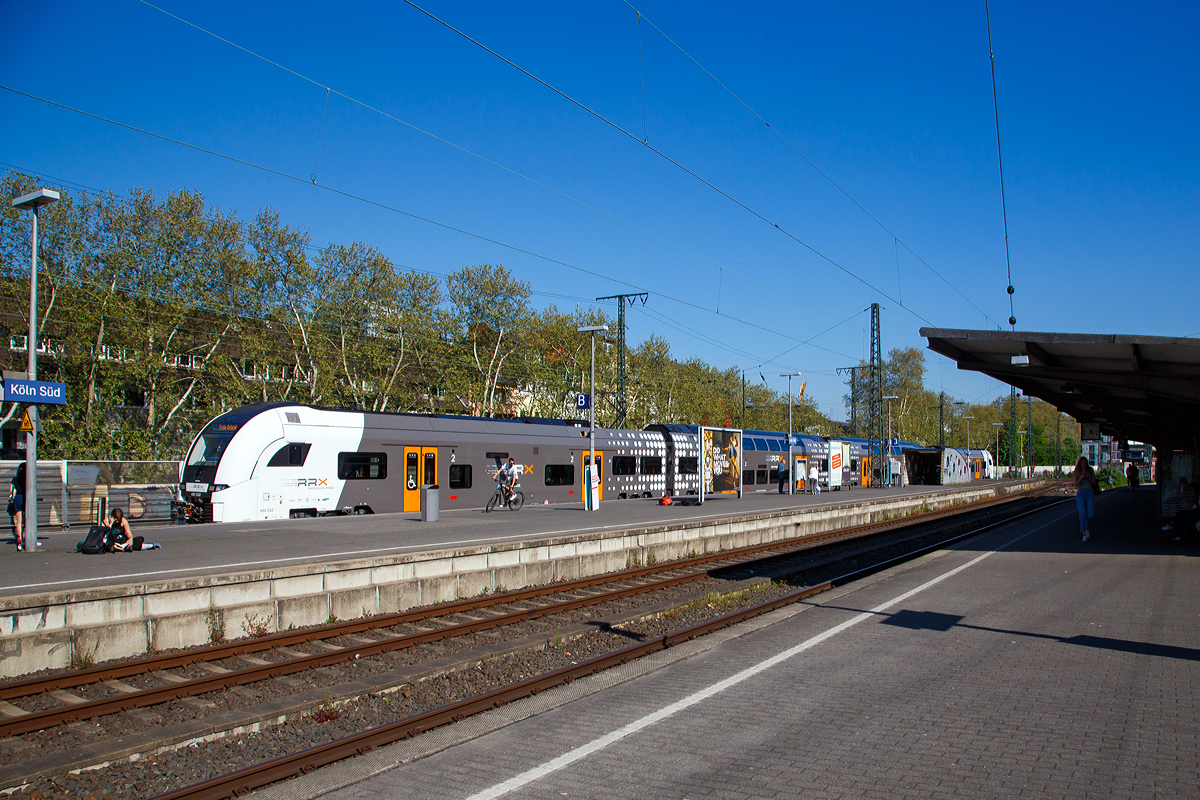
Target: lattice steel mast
(622, 402)
(875, 403)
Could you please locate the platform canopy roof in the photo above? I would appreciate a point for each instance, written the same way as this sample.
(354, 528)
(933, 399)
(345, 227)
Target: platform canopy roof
(1144, 388)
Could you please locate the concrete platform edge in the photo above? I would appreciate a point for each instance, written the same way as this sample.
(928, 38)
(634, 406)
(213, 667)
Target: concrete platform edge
(53, 630)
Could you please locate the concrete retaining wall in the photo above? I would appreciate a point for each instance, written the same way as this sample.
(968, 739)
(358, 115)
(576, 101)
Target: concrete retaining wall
(44, 631)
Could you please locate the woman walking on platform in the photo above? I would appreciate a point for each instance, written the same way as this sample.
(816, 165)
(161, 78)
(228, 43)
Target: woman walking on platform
(1085, 488)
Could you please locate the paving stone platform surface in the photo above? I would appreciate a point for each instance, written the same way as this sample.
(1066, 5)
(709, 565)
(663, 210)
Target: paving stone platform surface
(1023, 663)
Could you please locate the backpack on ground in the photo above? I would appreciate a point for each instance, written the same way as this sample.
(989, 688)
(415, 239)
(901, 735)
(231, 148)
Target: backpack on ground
(97, 541)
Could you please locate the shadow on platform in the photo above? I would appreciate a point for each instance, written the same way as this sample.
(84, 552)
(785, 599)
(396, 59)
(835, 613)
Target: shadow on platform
(934, 621)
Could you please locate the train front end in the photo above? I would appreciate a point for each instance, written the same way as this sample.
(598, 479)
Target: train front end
(217, 475)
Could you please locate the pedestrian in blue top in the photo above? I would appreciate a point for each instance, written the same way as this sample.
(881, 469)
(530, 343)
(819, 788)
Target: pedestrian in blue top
(1085, 489)
(782, 475)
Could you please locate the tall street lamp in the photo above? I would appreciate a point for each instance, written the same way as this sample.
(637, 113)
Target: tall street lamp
(890, 398)
(590, 469)
(32, 202)
(791, 478)
(968, 419)
(996, 463)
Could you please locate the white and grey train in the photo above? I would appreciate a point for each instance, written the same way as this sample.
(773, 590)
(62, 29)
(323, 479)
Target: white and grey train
(285, 460)
(281, 460)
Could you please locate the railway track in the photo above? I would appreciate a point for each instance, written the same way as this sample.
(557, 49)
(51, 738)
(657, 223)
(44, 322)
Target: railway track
(259, 775)
(274, 656)
(50, 701)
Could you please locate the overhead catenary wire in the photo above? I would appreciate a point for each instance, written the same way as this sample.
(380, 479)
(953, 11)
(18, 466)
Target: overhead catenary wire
(485, 159)
(801, 154)
(679, 165)
(321, 137)
(1012, 317)
(393, 209)
(307, 245)
(642, 72)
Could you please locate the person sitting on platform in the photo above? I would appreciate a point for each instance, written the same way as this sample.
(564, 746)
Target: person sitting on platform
(122, 539)
(1186, 524)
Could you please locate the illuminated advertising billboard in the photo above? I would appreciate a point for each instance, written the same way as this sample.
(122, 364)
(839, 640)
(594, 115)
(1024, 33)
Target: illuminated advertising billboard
(720, 462)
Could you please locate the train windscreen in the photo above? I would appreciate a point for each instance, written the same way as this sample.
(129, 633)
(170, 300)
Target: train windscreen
(208, 449)
(201, 463)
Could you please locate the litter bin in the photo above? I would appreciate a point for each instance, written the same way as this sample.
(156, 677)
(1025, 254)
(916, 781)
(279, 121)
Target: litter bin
(429, 503)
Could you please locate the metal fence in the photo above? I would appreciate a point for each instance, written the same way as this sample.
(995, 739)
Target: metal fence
(80, 492)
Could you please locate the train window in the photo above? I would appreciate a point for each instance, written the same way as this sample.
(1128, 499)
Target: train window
(430, 469)
(652, 465)
(460, 476)
(761, 444)
(748, 477)
(763, 476)
(292, 454)
(624, 465)
(560, 474)
(689, 465)
(773, 445)
(748, 444)
(362, 466)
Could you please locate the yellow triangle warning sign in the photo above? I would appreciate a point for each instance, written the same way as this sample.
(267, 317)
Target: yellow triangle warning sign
(26, 423)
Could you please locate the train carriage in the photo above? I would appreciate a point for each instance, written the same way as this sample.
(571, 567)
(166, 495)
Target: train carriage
(286, 460)
(281, 460)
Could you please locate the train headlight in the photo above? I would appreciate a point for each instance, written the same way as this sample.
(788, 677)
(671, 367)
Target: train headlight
(220, 487)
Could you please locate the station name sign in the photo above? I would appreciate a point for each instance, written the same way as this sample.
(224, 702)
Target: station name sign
(19, 391)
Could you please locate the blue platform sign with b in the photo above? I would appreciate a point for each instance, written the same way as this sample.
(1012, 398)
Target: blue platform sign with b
(45, 392)
(583, 402)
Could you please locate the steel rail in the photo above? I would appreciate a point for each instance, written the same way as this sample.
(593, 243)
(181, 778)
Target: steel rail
(259, 775)
(67, 680)
(90, 709)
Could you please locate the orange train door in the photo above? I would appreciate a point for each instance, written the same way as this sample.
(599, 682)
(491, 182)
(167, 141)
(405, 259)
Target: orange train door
(587, 459)
(420, 468)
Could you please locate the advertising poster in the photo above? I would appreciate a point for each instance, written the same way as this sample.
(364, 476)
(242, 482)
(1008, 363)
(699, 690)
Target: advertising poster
(720, 462)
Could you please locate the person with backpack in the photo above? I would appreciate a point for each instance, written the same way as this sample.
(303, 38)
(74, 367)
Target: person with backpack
(113, 535)
(122, 539)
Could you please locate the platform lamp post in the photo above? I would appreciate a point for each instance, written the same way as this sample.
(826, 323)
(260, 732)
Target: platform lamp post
(890, 398)
(791, 477)
(590, 469)
(996, 463)
(968, 419)
(32, 202)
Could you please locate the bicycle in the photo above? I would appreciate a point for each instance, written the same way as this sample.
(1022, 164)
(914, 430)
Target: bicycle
(514, 501)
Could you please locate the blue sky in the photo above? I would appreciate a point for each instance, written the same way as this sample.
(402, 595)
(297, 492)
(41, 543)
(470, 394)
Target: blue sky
(893, 102)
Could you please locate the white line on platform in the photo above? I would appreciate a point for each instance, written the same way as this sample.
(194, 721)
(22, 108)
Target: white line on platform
(566, 759)
(374, 551)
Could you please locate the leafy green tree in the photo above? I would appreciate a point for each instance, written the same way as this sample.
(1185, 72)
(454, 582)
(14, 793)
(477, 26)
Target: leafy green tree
(491, 314)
